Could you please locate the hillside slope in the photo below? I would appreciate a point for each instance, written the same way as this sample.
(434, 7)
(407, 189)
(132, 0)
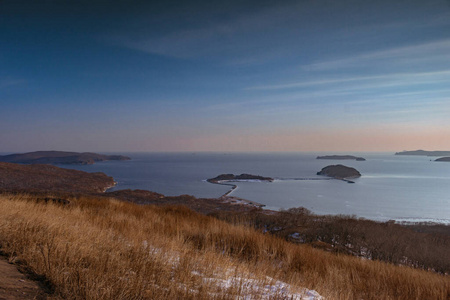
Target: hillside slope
(51, 178)
(97, 248)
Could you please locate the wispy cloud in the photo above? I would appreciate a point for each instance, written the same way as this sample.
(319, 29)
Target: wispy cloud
(285, 31)
(442, 75)
(425, 53)
(386, 87)
(7, 82)
(230, 37)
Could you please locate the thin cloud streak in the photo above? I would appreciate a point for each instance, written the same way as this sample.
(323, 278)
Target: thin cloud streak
(417, 76)
(430, 51)
(228, 38)
(305, 101)
(4, 83)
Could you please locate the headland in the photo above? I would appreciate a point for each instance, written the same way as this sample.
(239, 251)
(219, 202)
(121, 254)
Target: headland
(447, 159)
(59, 158)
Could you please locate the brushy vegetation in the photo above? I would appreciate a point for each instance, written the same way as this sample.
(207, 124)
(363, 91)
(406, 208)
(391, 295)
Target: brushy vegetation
(420, 246)
(94, 248)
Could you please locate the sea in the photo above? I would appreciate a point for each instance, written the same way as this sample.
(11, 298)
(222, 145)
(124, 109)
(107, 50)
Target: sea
(392, 187)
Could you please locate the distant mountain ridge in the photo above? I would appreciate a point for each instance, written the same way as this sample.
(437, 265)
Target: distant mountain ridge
(341, 157)
(59, 157)
(424, 153)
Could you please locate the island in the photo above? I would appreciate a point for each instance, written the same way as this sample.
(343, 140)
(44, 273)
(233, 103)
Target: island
(242, 177)
(340, 172)
(424, 153)
(224, 179)
(59, 157)
(341, 157)
(447, 159)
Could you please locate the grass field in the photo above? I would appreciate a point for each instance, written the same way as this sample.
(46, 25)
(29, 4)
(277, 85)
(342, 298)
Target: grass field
(94, 248)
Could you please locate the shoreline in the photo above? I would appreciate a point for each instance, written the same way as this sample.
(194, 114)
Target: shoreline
(110, 187)
(226, 198)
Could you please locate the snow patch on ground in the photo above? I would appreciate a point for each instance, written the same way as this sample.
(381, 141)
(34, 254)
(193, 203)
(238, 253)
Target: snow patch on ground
(245, 285)
(267, 288)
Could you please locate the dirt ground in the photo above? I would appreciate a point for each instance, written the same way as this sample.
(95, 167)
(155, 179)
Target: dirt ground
(15, 285)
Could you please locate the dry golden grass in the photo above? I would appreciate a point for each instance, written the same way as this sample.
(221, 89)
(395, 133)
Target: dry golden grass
(107, 249)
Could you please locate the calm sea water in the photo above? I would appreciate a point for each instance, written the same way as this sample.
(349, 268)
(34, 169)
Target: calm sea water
(404, 188)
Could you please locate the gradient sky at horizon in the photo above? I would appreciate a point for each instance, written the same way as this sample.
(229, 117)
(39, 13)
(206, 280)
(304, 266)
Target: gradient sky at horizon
(224, 75)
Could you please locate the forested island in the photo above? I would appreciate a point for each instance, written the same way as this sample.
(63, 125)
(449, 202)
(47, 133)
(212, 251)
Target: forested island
(339, 172)
(232, 177)
(59, 158)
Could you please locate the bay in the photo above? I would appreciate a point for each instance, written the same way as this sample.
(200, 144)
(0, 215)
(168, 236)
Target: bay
(392, 187)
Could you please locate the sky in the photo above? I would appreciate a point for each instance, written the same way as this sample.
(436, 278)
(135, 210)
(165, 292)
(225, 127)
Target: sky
(304, 75)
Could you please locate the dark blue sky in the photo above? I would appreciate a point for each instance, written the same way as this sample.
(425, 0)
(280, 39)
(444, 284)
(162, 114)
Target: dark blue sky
(224, 75)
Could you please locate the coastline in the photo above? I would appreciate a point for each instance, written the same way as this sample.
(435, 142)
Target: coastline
(226, 198)
(381, 195)
(406, 221)
(110, 187)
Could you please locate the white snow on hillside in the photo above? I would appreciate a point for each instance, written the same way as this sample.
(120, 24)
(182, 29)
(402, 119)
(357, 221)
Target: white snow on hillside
(267, 288)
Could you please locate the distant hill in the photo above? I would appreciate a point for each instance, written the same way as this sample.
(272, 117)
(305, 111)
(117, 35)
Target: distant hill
(51, 178)
(59, 157)
(424, 153)
(341, 157)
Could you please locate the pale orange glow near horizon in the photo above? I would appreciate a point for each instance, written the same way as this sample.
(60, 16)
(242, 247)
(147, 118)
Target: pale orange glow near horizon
(374, 139)
(354, 140)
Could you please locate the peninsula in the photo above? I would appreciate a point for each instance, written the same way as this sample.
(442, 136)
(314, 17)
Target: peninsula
(340, 172)
(447, 159)
(51, 179)
(424, 153)
(224, 179)
(341, 157)
(242, 177)
(59, 158)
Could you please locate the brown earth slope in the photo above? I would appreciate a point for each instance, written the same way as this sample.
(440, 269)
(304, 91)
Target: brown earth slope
(15, 285)
(51, 178)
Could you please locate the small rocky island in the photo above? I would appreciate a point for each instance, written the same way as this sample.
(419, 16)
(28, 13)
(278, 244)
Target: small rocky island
(340, 172)
(424, 153)
(242, 177)
(447, 159)
(59, 158)
(341, 157)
